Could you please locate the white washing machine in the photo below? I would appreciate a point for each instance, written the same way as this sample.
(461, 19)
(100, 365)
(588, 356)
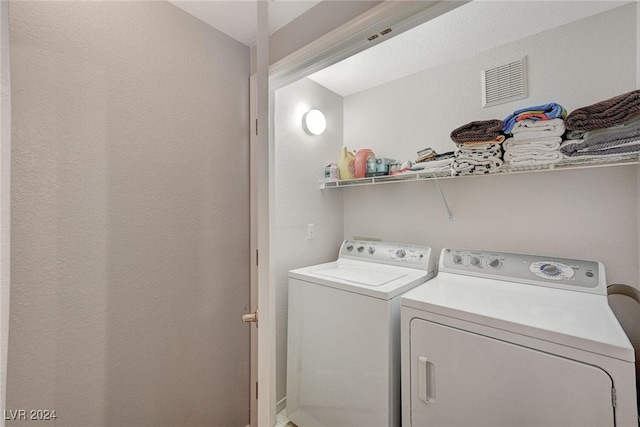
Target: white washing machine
(343, 356)
(500, 339)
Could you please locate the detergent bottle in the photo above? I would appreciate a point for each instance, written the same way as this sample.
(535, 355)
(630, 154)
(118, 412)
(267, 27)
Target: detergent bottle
(347, 164)
(362, 157)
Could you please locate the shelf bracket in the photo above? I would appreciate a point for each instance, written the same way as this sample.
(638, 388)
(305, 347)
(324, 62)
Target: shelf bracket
(444, 199)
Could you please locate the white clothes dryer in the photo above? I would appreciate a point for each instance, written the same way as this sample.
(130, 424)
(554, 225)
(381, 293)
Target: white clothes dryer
(343, 356)
(500, 339)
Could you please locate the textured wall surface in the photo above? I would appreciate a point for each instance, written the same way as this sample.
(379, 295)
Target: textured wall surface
(130, 222)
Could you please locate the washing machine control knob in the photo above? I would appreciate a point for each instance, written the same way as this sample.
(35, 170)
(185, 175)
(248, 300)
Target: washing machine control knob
(360, 249)
(474, 261)
(457, 259)
(400, 253)
(350, 248)
(494, 263)
(371, 250)
(552, 270)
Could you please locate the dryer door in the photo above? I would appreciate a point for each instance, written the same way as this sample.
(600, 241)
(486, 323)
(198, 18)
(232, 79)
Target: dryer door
(459, 378)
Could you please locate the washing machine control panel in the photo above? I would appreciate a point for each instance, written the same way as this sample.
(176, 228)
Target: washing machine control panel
(414, 256)
(579, 275)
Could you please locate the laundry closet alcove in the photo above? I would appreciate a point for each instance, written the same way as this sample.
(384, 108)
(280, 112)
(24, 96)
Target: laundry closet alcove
(577, 56)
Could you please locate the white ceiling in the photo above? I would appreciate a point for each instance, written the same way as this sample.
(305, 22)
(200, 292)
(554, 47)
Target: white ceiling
(467, 30)
(475, 27)
(237, 18)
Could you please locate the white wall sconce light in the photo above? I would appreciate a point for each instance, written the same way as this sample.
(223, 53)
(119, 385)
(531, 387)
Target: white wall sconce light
(314, 122)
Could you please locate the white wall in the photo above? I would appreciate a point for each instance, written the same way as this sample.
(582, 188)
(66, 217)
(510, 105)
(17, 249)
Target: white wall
(585, 214)
(299, 165)
(130, 216)
(574, 65)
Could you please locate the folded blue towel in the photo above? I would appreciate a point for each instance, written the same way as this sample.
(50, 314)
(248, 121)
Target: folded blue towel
(550, 111)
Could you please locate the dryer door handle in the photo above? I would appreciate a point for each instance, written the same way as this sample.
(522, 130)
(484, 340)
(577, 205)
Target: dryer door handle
(426, 380)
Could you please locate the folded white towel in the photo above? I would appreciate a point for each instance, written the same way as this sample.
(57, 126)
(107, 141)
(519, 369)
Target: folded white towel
(528, 136)
(534, 129)
(528, 124)
(540, 144)
(432, 164)
(532, 157)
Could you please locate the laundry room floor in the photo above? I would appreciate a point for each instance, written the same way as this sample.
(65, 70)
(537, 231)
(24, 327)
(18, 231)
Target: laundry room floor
(282, 420)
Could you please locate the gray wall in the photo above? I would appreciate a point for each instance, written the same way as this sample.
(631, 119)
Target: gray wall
(130, 221)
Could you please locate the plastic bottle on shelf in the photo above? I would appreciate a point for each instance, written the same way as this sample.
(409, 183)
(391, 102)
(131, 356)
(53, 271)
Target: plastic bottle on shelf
(347, 164)
(362, 157)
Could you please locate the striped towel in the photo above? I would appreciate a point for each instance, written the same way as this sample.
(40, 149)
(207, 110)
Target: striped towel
(485, 131)
(477, 160)
(613, 141)
(538, 112)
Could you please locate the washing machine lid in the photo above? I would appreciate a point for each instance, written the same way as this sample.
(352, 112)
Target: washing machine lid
(574, 319)
(367, 278)
(365, 275)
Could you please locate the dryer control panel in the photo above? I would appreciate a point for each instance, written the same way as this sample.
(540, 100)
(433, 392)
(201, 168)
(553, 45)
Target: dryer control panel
(404, 255)
(564, 273)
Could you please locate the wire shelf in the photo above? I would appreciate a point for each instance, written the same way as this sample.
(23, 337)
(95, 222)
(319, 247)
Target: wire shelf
(565, 164)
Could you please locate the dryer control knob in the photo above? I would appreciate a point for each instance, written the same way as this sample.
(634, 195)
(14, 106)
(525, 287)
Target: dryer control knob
(371, 250)
(457, 259)
(360, 249)
(350, 248)
(400, 253)
(474, 261)
(494, 263)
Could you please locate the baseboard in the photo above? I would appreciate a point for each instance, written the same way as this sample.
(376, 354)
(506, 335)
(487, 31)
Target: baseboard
(281, 405)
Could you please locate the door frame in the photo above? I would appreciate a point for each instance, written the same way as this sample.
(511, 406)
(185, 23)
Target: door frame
(261, 213)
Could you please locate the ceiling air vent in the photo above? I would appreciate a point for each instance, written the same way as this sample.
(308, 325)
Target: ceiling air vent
(504, 83)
